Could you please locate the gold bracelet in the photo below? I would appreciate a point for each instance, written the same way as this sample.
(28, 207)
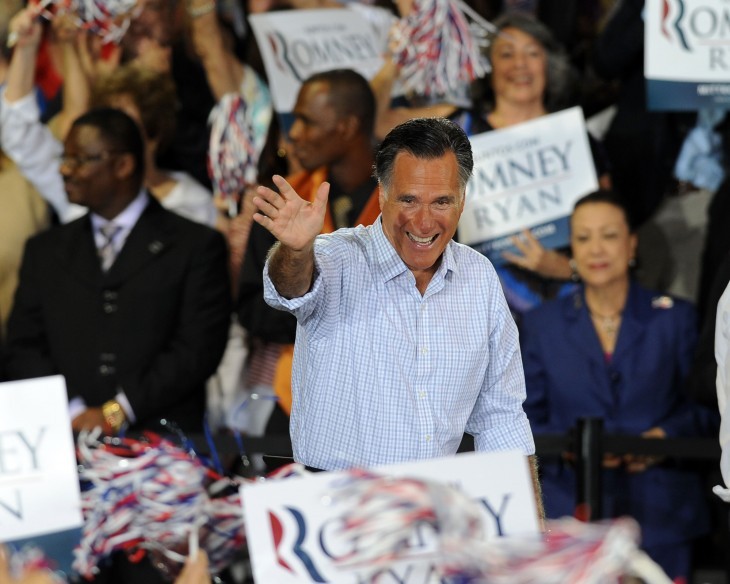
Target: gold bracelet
(114, 415)
(201, 10)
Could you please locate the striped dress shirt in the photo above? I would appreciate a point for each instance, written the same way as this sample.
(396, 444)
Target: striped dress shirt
(383, 374)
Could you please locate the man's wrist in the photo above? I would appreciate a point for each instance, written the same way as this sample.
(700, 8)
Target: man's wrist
(114, 415)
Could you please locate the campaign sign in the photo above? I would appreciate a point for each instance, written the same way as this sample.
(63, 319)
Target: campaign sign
(687, 54)
(295, 44)
(39, 484)
(527, 176)
(292, 525)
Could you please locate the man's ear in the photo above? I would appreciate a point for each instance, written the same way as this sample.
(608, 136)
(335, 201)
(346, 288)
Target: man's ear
(350, 126)
(124, 166)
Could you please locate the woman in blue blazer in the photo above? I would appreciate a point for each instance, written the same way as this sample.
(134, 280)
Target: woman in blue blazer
(617, 351)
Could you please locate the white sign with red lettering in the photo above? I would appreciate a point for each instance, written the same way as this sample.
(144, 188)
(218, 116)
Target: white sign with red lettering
(687, 54)
(295, 44)
(292, 524)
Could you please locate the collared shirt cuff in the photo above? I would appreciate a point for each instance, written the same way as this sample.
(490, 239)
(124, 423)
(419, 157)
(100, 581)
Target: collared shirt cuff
(276, 300)
(722, 492)
(26, 106)
(124, 402)
(76, 407)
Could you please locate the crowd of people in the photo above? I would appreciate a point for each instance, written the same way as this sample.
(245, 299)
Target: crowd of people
(329, 300)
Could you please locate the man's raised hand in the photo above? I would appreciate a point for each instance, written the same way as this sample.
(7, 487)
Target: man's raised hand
(292, 220)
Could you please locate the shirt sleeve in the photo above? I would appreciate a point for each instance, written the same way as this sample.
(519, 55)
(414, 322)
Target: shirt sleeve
(302, 307)
(30, 145)
(498, 421)
(296, 305)
(537, 403)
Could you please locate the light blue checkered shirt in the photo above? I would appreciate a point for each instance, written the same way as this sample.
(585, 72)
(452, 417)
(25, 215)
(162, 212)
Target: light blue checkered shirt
(382, 374)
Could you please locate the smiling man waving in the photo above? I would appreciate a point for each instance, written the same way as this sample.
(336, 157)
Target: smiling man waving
(404, 338)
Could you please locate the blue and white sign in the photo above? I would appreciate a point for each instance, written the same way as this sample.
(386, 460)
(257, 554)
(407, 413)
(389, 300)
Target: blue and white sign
(39, 486)
(527, 176)
(687, 54)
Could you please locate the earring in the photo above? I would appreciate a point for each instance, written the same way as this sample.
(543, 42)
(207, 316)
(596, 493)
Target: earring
(574, 270)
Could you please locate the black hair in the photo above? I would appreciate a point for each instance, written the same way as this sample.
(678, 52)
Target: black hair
(118, 131)
(560, 78)
(425, 138)
(350, 94)
(609, 197)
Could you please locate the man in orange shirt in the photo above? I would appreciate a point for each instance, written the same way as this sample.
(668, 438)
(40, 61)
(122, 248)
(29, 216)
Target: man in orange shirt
(332, 138)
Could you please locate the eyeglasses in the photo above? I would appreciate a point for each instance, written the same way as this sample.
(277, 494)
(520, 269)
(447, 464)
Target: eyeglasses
(75, 162)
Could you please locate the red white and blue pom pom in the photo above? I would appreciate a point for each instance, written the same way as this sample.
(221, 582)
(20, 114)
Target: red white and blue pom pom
(232, 153)
(573, 552)
(107, 18)
(149, 497)
(383, 514)
(436, 49)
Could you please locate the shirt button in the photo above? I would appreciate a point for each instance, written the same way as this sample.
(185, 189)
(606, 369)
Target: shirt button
(428, 437)
(422, 394)
(109, 308)
(424, 350)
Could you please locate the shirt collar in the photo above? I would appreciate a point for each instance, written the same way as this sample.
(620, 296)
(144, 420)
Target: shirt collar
(127, 218)
(391, 264)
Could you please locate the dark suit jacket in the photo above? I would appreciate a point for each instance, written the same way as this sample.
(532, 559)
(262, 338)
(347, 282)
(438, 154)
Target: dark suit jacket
(568, 377)
(154, 326)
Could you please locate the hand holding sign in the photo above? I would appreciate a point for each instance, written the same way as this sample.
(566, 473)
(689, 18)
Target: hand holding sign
(544, 262)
